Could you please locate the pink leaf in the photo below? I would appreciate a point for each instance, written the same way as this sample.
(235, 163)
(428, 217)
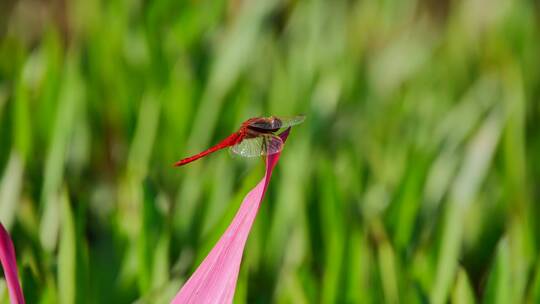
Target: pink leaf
(9, 264)
(214, 281)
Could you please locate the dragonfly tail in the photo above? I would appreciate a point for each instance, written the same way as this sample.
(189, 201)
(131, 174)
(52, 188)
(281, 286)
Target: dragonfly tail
(227, 142)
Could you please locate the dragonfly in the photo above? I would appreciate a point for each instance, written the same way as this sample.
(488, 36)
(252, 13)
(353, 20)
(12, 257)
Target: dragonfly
(256, 137)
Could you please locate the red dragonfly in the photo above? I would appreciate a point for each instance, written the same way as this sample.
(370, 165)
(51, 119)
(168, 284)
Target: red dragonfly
(254, 138)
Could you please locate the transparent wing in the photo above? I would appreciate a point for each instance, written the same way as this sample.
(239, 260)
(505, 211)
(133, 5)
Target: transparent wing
(264, 144)
(275, 122)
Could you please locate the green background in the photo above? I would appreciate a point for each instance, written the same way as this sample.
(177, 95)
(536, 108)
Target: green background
(414, 178)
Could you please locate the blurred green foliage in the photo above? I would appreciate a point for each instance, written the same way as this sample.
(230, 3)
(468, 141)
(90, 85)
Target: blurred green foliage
(414, 178)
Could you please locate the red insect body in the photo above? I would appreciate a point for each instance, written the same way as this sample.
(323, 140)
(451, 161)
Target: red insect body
(231, 140)
(254, 138)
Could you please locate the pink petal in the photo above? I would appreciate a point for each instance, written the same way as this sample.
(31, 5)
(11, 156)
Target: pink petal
(214, 281)
(9, 264)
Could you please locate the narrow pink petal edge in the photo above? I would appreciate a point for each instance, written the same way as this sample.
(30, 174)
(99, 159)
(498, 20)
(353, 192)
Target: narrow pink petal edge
(214, 281)
(9, 264)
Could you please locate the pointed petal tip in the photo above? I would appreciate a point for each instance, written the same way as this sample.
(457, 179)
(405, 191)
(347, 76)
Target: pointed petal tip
(214, 281)
(9, 264)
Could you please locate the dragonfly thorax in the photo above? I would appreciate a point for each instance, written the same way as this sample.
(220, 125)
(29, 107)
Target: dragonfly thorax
(252, 131)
